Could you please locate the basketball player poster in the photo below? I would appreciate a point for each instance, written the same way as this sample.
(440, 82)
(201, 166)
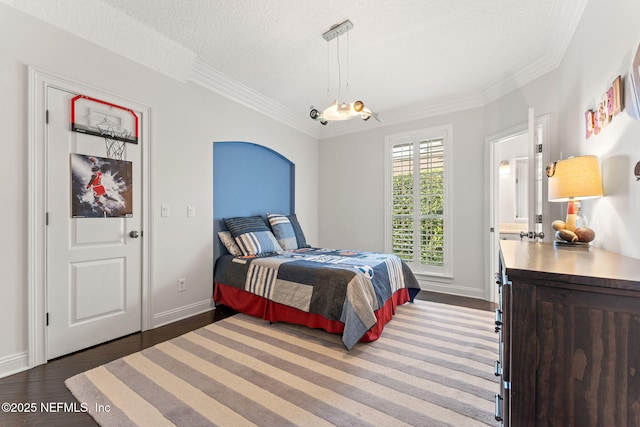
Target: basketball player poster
(100, 187)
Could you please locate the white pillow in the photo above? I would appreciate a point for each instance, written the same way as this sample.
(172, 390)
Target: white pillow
(229, 243)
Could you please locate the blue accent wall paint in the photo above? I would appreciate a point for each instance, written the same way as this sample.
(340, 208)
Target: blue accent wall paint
(249, 179)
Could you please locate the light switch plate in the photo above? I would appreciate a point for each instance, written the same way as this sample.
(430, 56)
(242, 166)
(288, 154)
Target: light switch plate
(165, 211)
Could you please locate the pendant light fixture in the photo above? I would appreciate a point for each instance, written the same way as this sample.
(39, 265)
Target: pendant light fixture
(340, 109)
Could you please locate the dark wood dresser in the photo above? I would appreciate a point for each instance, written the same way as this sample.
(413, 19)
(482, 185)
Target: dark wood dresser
(569, 327)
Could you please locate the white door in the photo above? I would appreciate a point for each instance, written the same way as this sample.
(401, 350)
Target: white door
(518, 193)
(538, 213)
(93, 240)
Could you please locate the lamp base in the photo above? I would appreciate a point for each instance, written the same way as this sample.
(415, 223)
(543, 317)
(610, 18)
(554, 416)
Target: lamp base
(570, 223)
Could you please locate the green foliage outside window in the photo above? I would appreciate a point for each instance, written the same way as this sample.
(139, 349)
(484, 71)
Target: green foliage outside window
(431, 233)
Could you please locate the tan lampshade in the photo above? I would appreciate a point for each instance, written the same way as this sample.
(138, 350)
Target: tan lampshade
(576, 177)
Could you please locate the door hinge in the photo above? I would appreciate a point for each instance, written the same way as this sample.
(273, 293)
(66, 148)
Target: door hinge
(46, 116)
(538, 219)
(539, 148)
(47, 319)
(46, 218)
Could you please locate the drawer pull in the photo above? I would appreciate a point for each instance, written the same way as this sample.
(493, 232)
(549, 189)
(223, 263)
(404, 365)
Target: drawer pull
(498, 413)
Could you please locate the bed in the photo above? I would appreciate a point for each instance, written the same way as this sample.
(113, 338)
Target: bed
(264, 266)
(352, 293)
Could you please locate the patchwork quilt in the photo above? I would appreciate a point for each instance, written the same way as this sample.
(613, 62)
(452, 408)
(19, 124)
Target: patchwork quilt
(348, 286)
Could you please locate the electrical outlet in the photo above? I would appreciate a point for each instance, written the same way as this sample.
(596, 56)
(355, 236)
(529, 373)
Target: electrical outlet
(182, 285)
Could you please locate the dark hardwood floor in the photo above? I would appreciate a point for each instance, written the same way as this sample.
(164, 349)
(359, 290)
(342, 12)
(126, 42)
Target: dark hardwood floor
(45, 383)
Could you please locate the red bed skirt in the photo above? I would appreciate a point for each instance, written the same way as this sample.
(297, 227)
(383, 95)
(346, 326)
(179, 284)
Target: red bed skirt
(254, 305)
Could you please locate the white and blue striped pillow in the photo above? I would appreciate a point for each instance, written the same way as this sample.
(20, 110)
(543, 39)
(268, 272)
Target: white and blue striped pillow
(252, 235)
(283, 230)
(287, 231)
(258, 243)
(297, 229)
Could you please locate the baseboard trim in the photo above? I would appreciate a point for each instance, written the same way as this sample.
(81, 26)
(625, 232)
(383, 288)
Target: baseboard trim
(13, 364)
(170, 316)
(449, 288)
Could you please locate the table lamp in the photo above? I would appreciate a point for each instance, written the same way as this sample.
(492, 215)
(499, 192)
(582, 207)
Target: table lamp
(576, 178)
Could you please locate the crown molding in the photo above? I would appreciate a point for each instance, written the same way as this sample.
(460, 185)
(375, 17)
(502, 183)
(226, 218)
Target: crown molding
(502, 86)
(188, 68)
(209, 78)
(553, 50)
(215, 81)
(554, 47)
(123, 35)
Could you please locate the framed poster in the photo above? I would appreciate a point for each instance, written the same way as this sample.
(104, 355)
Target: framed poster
(100, 187)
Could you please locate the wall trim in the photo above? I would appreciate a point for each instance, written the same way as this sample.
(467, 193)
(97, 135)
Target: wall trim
(215, 81)
(450, 289)
(184, 66)
(13, 364)
(175, 314)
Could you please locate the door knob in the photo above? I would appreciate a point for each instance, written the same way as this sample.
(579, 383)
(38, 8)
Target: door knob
(531, 235)
(134, 234)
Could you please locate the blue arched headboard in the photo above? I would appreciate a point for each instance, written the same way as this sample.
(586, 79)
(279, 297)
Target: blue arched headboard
(249, 179)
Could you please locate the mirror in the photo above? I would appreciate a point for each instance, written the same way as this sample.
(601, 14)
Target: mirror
(512, 198)
(522, 189)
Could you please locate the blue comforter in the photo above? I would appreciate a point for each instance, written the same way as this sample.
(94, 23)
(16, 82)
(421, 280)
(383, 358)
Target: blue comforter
(348, 286)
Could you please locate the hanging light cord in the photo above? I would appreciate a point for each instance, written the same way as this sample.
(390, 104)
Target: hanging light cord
(347, 89)
(338, 100)
(328, 70)
(339, 68)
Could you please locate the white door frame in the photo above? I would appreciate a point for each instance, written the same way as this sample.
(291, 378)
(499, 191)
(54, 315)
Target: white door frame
(491, 184)
(490, 226)
(39, 81)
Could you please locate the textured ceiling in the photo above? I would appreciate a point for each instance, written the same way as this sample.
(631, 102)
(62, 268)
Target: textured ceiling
(405, 57)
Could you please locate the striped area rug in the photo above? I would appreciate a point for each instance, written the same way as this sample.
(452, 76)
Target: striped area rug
(433, 366)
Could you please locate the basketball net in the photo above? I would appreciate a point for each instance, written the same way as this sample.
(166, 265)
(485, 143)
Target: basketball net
(115, 147)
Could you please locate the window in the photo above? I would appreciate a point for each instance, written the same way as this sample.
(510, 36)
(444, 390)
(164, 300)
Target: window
(418, 200)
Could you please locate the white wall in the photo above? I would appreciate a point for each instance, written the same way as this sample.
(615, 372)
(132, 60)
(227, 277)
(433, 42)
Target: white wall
(602, 48)
(352, 195)
(185, 121)
(340, 196)
(352, 166)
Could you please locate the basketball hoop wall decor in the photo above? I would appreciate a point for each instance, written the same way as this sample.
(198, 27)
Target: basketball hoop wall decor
(116, 124)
